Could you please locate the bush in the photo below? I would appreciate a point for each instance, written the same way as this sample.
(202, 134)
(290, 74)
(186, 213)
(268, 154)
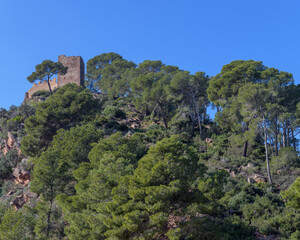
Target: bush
(295, 235)
(41, 93)
(286, 160)
(14, 125)
(287, 222)
(7, 162)
(292, 195)
(113, 112)
(16, 225)
(155, 133)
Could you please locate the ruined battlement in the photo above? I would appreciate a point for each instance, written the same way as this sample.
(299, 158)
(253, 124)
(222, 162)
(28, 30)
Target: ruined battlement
(42, 86)
(75, 74)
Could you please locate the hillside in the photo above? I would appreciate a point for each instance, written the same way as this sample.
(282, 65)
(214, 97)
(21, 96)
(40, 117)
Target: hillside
(135, 155)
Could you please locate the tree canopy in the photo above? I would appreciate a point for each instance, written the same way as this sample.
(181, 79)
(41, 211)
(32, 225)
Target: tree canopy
(137, 155)
(45, 71)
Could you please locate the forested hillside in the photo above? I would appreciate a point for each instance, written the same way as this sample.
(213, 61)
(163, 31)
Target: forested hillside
(136, 155)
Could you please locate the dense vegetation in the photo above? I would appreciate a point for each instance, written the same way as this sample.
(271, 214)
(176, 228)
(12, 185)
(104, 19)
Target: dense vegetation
(136, 155)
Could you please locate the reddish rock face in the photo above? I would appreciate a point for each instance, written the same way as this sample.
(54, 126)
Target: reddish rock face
(10, 141)
(10, 144)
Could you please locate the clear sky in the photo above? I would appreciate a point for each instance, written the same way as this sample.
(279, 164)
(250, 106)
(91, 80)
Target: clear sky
(195, 35)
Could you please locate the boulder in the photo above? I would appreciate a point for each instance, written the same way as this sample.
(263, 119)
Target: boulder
(250, 180)
(21, 199)
(233, 173)
(251, 165)
(11, 143)
(21, 176)
(248, 166)
(209, 141)
(258, 178)
(18, 202)
(10, 140)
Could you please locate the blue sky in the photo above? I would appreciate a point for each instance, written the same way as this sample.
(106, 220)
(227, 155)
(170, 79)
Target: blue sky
(194, 35)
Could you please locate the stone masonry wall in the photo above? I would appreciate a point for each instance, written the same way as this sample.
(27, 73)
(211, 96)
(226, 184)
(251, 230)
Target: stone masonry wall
(75, 72)
(42, 86)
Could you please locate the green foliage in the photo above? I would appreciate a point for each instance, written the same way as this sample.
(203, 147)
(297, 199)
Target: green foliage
(130, 161)
(260, 213)
(285, 167)
(49, 222)
(288, 222)
(110, 159)
(95, 66)
(226, 84)
(149, 88)
(286, 160)
(46, 70)
(41, 93)
(142, 202)
(53, 172)
(114, 78)
(212, 186)
(12, 121)
(190, 92)
(155, 133)
(7, 163)
(292, 195)
(295, 235)
(113, 112)
(16, 225)
(69, 106)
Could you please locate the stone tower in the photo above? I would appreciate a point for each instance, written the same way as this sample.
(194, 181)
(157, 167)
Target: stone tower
(75, 72)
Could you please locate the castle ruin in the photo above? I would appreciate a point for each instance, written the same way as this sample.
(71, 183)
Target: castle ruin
(75, 74)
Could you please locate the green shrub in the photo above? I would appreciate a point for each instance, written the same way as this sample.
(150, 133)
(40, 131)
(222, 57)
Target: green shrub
(41, 93)
(16, 225)
(7, 163)
(295, 235)
(113, 112)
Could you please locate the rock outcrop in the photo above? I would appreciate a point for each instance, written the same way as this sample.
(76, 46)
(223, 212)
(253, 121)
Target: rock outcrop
(21, 199)
(22, 177)
(11, 143)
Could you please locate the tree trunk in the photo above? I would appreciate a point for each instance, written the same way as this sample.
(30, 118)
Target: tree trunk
(165, 122)
(198, 116)
(146, 111)
(193, 129)
(193, 126)
(245, 147)
(199, 123)
(49, 219)
(294, 140)
(204, 114)
(266, 150)
(276, 139)
(284, 136)
(288, 137)
(163, 115)
(48, 81)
